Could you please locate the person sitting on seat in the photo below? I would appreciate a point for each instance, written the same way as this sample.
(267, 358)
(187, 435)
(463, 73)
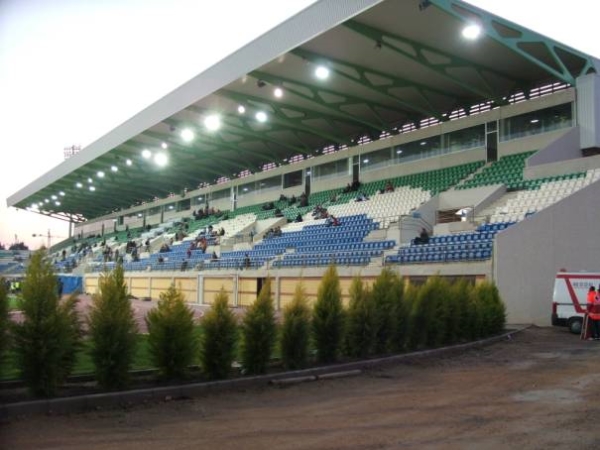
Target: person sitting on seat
(247, 261)
(423, 237)
(362, 197)
(298, 218)
(388, 187)
(214, 256)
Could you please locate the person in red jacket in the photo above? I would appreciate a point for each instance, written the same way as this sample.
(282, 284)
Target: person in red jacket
(593, 311)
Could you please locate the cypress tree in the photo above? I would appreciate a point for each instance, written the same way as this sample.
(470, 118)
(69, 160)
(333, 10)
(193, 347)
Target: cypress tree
(4, 323)
(383, 293)
(360, 320)
(219, 339)
(328, 317)
(259, 332)
(113, 331)
(47, 339)
(401, 312)
(171, 338)
(295, 333)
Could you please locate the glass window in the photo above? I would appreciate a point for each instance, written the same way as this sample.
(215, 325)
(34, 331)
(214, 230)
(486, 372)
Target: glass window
(537, 122)
(245, 189)
(464, 139)
(376, 160)
(218, 195)
(412, 151)
(332, 169)
(269, 183)
(292, 179)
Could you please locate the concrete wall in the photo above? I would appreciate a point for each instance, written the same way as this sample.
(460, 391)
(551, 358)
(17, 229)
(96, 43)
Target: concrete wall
(469, 197)
(529, 143)
(565, 147)
(528, 255)
(588, 110)
(562, 167)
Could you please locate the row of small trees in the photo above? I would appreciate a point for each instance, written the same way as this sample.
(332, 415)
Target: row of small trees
(384, 318)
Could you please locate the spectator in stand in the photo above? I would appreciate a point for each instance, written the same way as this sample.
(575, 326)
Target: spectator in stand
(423, 237)
(388, 187)
(355, 185)
(184, 265)
(214, 256)
(247, 261)
(278, 213)
(292, 200)
(298, 218)
(164, 248)
(362, 197)
(222, 232)
(147, 245)
(303, 200)
(161, 259)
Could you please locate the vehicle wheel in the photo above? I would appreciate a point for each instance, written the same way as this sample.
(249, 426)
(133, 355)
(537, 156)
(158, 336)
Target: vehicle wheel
(574, 325)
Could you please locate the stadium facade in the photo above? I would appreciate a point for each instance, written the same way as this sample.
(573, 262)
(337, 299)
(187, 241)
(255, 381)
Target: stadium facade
(488, 132)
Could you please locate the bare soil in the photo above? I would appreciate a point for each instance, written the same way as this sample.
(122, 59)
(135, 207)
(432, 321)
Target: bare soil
(536, 390)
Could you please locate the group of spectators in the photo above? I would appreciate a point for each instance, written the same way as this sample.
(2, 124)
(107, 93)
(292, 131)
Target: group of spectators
(202, 213)
(273, 232)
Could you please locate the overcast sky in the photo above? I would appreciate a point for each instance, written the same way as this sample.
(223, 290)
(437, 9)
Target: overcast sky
(72, 70)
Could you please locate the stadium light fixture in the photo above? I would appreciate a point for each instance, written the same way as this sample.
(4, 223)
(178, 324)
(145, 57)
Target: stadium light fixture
(79, 185)
(61, 193)
(261, 116)
(54, 197)
(241, 109)
(322, 72)
(46, 200)
(278, 92)
(187, 135)
(114, 168)
(128, 162)
(164, 145)
(471, 31)
(212, 122)
(146, 154)
(161, 159)
(92, 188)
(100, 174)
(57, 203)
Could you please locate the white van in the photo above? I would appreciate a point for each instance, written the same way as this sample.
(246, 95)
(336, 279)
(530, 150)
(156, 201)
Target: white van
(569, 302)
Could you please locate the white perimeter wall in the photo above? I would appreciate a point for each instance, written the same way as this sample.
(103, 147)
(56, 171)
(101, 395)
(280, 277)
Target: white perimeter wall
(528, 255)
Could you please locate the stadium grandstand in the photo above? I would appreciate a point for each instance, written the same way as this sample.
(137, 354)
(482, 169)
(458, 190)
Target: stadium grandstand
(426, 136)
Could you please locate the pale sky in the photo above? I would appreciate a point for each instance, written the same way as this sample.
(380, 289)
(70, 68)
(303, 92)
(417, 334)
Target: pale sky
(72, 70)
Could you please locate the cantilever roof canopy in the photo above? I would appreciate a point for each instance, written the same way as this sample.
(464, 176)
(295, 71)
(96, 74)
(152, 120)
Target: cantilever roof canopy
(389, 63)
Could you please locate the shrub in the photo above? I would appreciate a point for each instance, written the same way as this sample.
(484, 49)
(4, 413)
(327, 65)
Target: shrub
(475, 316)
(493, 312)
(436, 291)
(328, 317)
(401, 314)
(113, 331)
(4, 322)
(459, 312)
(409, 303)
(219, 338)
(171, 337)
(360, 321)
(259, 332)
(429, 314)
(295, 332)
(47, 339)
(384, 303)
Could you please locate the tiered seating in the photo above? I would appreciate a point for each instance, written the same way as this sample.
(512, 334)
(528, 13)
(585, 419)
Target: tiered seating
(460, 247)
(530, 201)
(507, 170)
(383, 207)
(317, 244)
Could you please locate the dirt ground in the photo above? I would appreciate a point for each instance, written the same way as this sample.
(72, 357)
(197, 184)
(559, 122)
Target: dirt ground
(536, 390)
